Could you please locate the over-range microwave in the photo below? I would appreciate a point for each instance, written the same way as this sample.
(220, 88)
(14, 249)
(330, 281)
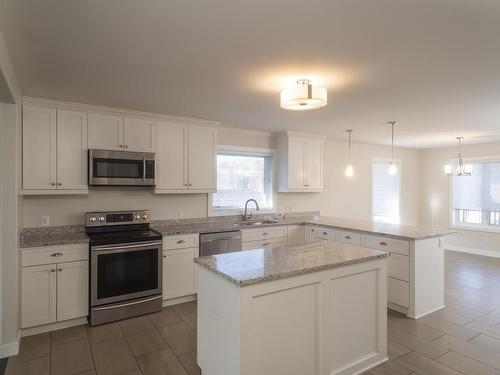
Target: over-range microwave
(121, 168)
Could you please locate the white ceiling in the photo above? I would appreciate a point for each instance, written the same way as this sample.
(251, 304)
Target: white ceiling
(432, 65)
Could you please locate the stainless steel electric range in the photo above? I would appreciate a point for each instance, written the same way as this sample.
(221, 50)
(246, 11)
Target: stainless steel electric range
(125, 265)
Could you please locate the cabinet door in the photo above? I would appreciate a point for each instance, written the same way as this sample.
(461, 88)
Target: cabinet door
(179, 272)
(105, 132)
(72, 290)
(202, 157)
(38, 295)
(171, 156)
(39, 148)
(139, 134)
(296, 162)
(314, 163)
(71, 150)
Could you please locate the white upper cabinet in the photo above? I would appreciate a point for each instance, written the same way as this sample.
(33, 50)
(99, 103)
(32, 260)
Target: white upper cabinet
(105, 132)
(202, 158)
(300, 162)
(39, 148)
(109, 132)
(185, 158)
(54, 151)
(138, 134)
(71, 150)
(171, 152)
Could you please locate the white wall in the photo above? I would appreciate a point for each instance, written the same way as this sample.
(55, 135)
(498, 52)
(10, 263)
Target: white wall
(435, 197)
(10, 200)
(342, 197)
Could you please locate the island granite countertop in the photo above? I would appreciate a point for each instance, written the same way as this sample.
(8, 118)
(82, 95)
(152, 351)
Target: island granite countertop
(245, 268)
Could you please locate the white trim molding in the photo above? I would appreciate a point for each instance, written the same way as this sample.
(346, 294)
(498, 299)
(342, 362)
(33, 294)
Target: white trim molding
(11, 348)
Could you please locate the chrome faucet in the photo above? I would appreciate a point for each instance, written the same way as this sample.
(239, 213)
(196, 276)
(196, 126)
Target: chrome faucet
(248, 217)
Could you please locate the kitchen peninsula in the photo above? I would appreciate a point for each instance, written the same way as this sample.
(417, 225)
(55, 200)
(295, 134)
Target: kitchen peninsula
(318, 308)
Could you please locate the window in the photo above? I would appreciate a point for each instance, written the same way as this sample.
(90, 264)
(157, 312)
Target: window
(476, 198)
(385, 192)
(242, 175)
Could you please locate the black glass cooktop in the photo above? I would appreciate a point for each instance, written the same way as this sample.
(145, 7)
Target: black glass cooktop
(123, 236)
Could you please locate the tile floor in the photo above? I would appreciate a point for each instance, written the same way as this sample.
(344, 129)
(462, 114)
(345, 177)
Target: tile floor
(464, 338)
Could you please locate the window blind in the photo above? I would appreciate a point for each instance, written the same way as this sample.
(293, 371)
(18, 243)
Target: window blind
(385, 193)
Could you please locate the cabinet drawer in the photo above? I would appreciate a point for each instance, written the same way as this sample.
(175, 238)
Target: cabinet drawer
(398, 266)
(386, 244)
(323, 233)
(398, 292)
(270, 244)
(54, 254)
(183, 241)
(349, 237)
(259, 234)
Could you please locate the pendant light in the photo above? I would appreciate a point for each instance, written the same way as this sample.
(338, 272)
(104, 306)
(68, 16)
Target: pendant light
(303, 97)
(462, 169)
(349, 171)
(393, 167)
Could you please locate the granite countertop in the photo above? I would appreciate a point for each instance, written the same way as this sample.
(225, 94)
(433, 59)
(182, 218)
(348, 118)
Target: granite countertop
(389, 230)
(52, 236)
(221, 226)
(257, 266)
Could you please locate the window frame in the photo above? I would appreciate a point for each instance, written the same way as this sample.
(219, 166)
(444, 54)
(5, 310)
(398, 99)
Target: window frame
(388, 160)
(469, 227)
(255, 151)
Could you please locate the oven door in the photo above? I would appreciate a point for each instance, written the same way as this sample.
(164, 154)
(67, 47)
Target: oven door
(125, 271)
(121, 168)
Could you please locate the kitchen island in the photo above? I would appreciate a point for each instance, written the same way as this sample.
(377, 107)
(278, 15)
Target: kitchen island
(318, 308)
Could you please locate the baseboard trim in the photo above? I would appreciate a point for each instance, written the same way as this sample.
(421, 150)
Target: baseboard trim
(53, 326)
(470, 250)
(176, 301)
(11, 348)
(400, 309)
(427, 312)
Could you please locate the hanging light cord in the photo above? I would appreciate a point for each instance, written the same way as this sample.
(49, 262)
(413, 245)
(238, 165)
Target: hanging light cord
(349, 131)
(392, 123)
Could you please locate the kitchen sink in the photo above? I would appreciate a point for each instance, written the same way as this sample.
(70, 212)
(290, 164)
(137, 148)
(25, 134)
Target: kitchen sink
(258, 222)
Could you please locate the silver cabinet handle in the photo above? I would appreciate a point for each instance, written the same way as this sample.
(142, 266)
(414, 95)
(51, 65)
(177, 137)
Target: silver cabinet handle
(181, 241)
(164, 256)
(325, 233)
(186, 184)
(190, 185)
(347, 237)
(383, 243)
(53, 183)
(121, 146)
(266, 244)
(52, 270)
(265, 234)
(59, 184)
(125, 146)
(56, 254)
(60, 269)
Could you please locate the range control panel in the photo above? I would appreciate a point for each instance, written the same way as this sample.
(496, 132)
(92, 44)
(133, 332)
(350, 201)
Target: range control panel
(97, 219)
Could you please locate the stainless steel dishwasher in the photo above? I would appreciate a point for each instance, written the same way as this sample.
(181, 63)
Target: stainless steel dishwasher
(220, 243)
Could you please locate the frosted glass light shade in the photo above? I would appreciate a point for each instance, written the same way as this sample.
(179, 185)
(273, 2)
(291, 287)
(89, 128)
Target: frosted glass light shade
(393, 169)
(303, 97)
(448, 169)
(349, 171)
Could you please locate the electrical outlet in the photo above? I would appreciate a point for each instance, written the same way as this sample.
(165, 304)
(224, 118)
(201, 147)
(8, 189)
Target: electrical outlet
(45, 221)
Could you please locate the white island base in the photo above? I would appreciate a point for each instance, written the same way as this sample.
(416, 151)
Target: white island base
(326, 322)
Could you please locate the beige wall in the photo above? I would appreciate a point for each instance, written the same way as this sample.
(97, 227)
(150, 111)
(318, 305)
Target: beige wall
(342, 197)
(435, 196)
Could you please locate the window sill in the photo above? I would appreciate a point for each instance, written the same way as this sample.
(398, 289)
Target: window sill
(235, 212)
(475, 228)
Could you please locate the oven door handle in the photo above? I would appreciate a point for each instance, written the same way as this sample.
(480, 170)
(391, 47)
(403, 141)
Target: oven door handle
(119, 247)
(125, 304)
(143, 168)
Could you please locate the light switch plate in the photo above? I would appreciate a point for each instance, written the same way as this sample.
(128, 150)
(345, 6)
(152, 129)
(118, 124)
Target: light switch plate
(45, 221)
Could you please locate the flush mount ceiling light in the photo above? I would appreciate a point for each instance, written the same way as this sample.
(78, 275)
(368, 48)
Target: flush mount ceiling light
(303, 97)
(393, 167)
(462, 169)
(349, 171)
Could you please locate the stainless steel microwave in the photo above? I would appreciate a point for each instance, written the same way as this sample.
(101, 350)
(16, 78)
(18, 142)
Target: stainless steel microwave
(121, 168)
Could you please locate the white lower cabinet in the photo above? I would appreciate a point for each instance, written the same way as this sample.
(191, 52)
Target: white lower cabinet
(53, 292)
(179, 270)
(264, 238)
(266, 244)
